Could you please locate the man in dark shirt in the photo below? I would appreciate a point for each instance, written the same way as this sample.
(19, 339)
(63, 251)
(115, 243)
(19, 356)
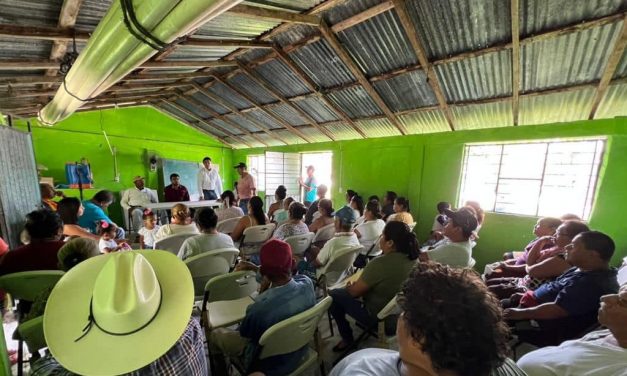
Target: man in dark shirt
(175, 192)
(313, 208)
(568, 305)
(45, 230)
(388, 204)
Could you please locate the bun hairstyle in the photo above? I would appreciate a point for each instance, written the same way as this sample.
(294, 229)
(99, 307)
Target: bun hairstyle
(297, 210)
(228, 197)
(180, 212)
(281, 192)
(327, 205)
(374, 208)
(402, 201)
(404, 240)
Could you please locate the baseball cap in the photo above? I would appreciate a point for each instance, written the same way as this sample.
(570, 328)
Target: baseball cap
(240, 165)
(276, 258)
(346, 215)
(464, 218)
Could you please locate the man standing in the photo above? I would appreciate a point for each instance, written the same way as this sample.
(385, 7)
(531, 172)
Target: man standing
(209, 183)
(135, 199)
(245, 187)
(175, 192)
(310, 185)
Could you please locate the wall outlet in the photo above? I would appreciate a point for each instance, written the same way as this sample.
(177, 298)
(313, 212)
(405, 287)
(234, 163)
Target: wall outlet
(116, 178)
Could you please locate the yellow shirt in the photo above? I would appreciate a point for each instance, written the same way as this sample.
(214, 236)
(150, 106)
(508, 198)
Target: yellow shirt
(404, 217)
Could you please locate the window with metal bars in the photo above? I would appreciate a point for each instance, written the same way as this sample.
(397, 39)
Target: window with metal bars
(539, 178)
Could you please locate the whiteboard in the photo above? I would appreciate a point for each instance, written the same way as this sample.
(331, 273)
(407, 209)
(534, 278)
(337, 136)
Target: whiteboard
(188, 171)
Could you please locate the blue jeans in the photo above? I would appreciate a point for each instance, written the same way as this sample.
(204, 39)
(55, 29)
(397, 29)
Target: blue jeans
(209, 194)
(344, 304)
(243, 204)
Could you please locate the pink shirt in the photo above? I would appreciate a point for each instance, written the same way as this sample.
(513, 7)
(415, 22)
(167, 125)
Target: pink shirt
(245, 186)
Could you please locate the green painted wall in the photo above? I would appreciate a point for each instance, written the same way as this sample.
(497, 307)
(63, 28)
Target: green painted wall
(136, 132)
(427, 168)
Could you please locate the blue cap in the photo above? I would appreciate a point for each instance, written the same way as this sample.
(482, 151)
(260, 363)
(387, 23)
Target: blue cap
(346, 215)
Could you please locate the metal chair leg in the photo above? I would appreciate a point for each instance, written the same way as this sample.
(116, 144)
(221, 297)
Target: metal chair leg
(20, 357)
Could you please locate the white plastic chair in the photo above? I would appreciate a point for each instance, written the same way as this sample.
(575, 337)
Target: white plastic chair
(229, 254)
(621, 276)
(203, 267)
(300, 243)
(254, 237)
(292, 334)
(172, 243)
(224, 297)
(337, 267)
(324, 234)
(411, 227)
(228, 225)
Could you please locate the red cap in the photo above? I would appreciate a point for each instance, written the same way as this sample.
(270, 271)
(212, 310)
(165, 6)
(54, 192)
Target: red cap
(276, 258)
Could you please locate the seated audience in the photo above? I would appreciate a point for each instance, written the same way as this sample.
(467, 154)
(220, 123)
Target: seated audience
(45, 230)
(543, 264)
(380, 281)
(349, 196)
(373, 198)
(107, 243)
(175, 192)
(440, 219)
(430, 337)
(544, 227)
(156, 310)
(148, 232)
(281, 296)
(181, 223)
(325, 208)
(357, 204)
(255, 217)
(480, 214)
(388, 204)
(295, 225)
(313, 208)
(281, 215)
(93, 213)
(570, 217)
(47, 194)
(279, 196)
(70, 210)
(209, 238)
(369, 231)
(603, 352)
(230, 210)
(455, 250)
(135, 199)
(401, 212)
(568, 305)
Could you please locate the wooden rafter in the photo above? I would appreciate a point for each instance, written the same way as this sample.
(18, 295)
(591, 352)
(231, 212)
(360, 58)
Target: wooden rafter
(363, 16)
(515, 59)
(67, 19)
(15, 81)
(274, 15)
(610, 69)
(266, 85)
(335, 44)
(314, 88)
(432, 78)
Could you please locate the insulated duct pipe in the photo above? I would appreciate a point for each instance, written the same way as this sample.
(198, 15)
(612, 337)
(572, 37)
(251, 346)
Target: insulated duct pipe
(112, 52)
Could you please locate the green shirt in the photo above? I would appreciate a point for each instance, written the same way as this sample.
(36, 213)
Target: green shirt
(384, 276)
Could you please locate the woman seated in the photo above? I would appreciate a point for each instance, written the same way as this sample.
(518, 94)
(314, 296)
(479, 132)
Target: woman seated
(401, 212)
(325, 208)
(70, 209)
(369, 231)
(357, 204)
(380, 281)
(255, 217)
(230, 210)
(279, 196)
(281, 215)
(181, 223)
(209, 238)
(295, 225)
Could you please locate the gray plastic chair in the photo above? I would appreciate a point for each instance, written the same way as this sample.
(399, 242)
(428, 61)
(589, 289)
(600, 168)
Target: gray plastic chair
(172, 243)
(300, 243)
(203, 267)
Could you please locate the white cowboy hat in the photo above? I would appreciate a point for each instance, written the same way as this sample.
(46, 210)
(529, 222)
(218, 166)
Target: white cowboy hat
(117, 313)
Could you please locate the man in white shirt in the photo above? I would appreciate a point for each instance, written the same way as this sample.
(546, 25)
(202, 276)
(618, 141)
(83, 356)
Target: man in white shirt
(344, 236)
(457, 250)
(209, 238)
(135, 199)
(603, 352)
(209, 182)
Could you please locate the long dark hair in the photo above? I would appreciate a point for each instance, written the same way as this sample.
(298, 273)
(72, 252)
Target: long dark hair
(404, 240)
(374, 208)
(230, 196)
(359, 202)
(402, 201)
(256, 204)
(68, 210)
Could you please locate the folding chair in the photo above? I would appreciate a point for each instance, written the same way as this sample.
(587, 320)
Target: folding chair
(172, 243)
(291, 335)
(32, 333)
(203, 267)
(27, 286)
(229, 254)
(300, 243)
(228, 225)
(323, 235)
(254, 237)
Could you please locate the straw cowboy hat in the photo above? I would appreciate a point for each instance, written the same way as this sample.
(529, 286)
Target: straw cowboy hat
(117, 313)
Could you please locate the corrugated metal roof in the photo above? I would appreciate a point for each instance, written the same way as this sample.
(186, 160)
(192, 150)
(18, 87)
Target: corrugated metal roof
(253, 54)
(204, 54)
(228, 25)
(288, 114)
(265, 119)
(252, 141)
(246, 84)
(347, 9)
(243, 122)
(378, 128)
(229, 95)
(24, 49)
(209, 103)
(295, 5)
(486, 115)
(290, 138)
(485, 76)
(614, 102)
(342, 131)
(425, 122)
(173, 110)
(226, 127)
(271, 141)
(569, 59)
(555, 108)
(32, 12)
(541, 15)
(373, 42)
(355, 102)
(294, 34)
(448, 27)
(91, 12)
(322, 64)
(192, 109)
(317, 109)
(236, 143)
(621, 69)
(282, 78)
(406, 91)
(313, 134)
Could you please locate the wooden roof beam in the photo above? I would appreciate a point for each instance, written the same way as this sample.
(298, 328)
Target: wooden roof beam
(67, 19)
(363, 16)
(274, 15)
(610, 69)
(515, 59)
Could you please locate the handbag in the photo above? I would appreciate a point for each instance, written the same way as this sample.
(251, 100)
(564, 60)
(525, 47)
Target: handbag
(361, 260)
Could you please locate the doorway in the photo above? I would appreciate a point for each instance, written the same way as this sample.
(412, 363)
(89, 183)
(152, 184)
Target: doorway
(323, 164)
